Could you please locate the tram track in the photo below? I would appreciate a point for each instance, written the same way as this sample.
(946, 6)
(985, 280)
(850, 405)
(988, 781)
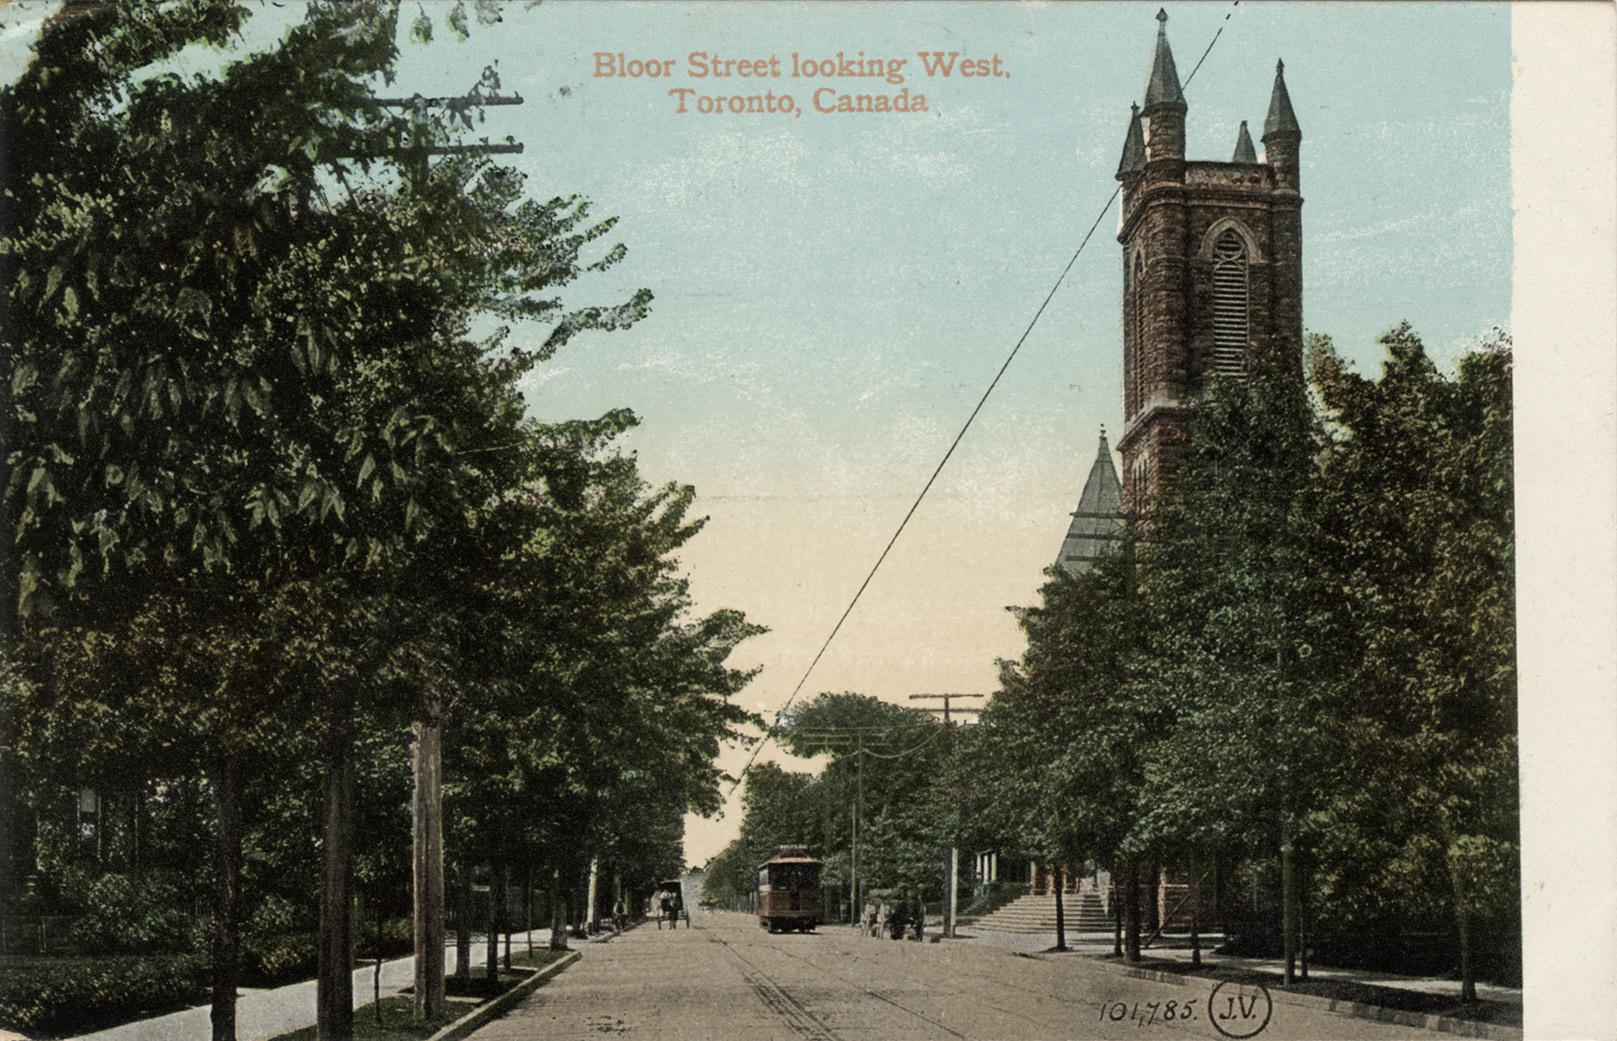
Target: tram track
(798, 1016)
(752, 970)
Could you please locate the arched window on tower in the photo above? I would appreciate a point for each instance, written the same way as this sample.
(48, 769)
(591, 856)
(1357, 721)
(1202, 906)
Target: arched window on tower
(1230, 308)
(1135, 376)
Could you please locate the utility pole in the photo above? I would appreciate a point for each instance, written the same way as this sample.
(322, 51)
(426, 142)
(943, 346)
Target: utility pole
(946, 698)
(858, 812)
(951, 905)
(427, 853)
(849, 739)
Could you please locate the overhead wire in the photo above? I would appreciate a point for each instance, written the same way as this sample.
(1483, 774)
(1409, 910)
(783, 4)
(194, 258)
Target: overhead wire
(949, 453)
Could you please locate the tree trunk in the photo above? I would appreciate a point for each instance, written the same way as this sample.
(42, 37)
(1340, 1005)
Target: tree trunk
(376, 974)
(1154, 908)
(427, 864)
(334, 989)
(1061, 913)
(1462, 922)
(463, 922)
(1302, 922)
(492, 971)
(558, 913)
(590, 917)
(1131, 937)
(1196, 913)
(505, 910)
(1117, 915)
(226, 784)
(527, 905)
(1288, 907)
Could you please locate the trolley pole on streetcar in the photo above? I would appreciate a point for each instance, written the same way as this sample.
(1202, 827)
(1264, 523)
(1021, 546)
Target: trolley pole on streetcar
(951, 905)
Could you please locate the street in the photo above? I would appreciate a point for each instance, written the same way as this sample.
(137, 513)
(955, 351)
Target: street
(725, 978)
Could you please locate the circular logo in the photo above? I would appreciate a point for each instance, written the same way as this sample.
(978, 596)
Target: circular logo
(1240, 1010)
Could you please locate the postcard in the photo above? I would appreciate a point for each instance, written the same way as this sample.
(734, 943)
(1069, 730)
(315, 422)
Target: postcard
(1012, 520)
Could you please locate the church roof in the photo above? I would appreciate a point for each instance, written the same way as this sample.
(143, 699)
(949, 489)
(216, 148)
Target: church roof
(1163, 86)
(1098, 520)
(1244, 152)
(1282, 120)
(1133, 146)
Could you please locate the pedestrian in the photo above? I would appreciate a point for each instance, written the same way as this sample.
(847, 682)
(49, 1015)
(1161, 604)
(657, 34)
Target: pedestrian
(899, 919)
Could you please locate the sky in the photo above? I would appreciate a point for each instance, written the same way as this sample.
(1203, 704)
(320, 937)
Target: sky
(833, 292)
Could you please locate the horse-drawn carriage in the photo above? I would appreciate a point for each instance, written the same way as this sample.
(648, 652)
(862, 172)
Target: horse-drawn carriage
(669, 904)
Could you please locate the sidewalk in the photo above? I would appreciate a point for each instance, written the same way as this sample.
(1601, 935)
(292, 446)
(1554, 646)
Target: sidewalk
(1439, 995)
(262, 1014)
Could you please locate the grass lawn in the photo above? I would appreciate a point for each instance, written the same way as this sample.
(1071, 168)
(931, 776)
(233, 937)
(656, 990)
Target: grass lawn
(398, 1022)
(539, 957)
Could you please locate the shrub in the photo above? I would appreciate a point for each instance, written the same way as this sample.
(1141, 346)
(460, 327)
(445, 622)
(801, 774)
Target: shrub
(124, 913)
(269, 961)
(70, 995)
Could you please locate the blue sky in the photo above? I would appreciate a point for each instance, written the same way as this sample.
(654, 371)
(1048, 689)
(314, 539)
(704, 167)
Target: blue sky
(833, 292)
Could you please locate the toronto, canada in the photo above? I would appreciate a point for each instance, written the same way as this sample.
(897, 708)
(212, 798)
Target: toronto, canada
(490, 554)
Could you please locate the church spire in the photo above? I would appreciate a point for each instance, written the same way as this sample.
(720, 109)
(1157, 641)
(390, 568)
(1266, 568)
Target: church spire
(1244, 152)
(1097, 523)
(1282, 137)
(1163, 86)
(1282, 120)
(1133, 151)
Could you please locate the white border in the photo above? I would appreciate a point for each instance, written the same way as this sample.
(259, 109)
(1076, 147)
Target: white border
(1563, 143)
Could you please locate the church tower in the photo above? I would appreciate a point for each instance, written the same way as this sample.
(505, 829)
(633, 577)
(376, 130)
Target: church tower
(1212, 266)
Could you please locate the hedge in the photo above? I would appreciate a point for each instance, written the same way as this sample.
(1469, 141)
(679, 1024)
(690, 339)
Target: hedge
(71, 995)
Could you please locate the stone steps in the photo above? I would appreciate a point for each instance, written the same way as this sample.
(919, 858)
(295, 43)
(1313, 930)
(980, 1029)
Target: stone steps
(1036, 913)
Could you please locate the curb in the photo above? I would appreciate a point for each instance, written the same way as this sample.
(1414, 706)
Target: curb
(489, 1009)
(1355, 1009)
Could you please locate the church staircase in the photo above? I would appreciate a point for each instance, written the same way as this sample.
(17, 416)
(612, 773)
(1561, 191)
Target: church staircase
(1036, 913)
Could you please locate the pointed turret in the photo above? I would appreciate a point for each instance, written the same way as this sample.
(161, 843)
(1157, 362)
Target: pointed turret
(1163, 86)
(1282, 137)
(1244, 152)
(1282, 120)
(1097, 523)
(1164, 112)
(1133, 147)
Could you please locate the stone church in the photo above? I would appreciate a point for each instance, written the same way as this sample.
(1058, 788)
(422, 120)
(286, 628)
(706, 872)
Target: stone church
(1212, 284)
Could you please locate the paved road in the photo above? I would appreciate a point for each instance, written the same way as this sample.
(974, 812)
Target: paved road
(725, 978)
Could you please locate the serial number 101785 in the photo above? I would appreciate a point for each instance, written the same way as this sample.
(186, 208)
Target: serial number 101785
(1148, 1011)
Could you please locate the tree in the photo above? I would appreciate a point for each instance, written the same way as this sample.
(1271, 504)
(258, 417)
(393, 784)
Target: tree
(209, 354)
(1417, 481)
(1056, 755)
(1235, 614)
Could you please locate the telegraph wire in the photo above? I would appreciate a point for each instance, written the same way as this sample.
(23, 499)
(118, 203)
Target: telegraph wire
(1210, 43)
(970, 419)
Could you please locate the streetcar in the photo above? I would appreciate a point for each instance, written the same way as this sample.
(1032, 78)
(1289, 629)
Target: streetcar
(789, 891)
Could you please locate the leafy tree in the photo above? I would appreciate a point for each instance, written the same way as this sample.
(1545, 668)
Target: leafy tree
(885, 768)
(231, 387)
(1235, 612)
(1420, 523)
(1057, 753)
